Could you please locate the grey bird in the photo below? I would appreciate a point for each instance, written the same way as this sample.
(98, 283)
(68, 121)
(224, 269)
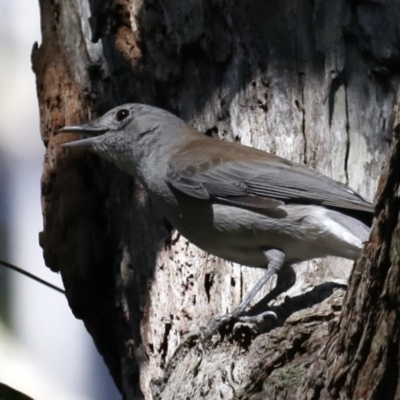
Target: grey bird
(236, 202)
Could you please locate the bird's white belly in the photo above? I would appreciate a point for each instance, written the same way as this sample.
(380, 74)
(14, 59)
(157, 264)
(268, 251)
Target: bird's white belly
(240, 235)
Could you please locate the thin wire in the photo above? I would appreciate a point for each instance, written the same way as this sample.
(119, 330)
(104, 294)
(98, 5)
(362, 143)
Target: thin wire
(29, 275)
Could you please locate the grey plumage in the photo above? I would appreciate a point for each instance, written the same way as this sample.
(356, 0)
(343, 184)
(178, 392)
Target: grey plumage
(237, 202)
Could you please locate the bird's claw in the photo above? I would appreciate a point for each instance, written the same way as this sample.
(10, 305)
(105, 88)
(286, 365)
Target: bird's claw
(255, 323)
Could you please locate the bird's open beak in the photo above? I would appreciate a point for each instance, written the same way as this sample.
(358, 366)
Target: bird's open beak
(87, 129)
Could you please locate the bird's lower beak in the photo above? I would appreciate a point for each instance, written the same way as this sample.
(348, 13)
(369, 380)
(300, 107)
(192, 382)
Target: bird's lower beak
(80, 143)
(86, 129)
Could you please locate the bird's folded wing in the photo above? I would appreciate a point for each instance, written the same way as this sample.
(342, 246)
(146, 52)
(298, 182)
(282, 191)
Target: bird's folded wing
(251, 178)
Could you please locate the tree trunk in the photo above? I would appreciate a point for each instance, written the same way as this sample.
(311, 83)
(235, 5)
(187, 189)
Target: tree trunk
(312, 81)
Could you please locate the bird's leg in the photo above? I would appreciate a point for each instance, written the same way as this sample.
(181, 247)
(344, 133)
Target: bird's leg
(286, 279)
(275, 259)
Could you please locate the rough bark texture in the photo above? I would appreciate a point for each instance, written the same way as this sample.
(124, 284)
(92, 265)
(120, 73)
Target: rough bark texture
(313, 81)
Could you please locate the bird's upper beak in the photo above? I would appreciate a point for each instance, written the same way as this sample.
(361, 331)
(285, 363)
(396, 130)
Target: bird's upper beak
(88, 129)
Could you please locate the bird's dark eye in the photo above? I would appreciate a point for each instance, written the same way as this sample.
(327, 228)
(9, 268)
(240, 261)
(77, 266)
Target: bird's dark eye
(122, 114)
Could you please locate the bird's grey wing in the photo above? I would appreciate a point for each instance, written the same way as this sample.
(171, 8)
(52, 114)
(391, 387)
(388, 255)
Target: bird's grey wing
(211, 179)
(257, 180)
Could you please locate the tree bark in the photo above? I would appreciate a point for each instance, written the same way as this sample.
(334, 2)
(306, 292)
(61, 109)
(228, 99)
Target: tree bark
(312, 81)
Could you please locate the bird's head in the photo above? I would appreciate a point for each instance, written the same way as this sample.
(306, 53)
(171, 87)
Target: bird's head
(130, 134)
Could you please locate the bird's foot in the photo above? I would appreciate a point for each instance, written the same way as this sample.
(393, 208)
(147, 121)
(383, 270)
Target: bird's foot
(237, 322)
(255, 324)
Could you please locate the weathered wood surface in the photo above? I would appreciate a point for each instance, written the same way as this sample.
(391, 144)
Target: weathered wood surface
(272, 366)
(312, 81)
